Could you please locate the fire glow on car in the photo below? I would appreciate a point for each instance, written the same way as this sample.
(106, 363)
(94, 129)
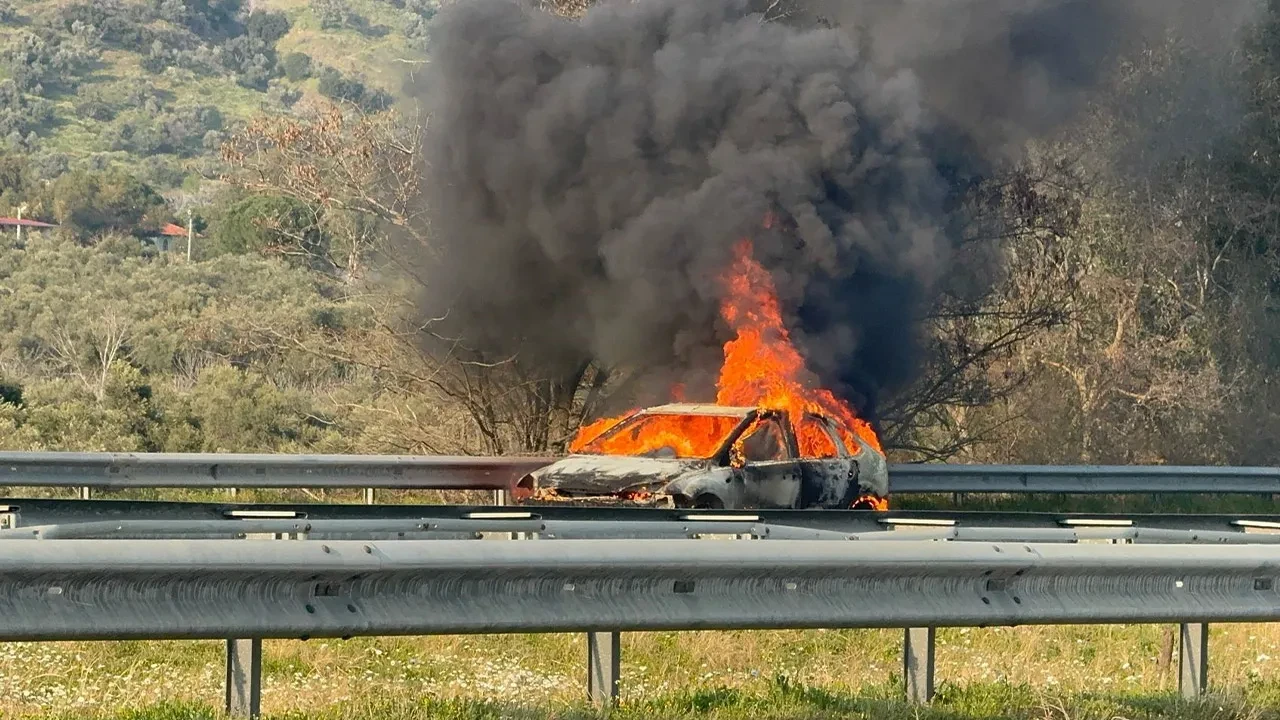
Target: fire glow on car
(768, 441)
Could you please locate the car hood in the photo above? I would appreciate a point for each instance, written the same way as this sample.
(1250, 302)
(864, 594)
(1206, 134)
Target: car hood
(607, 474)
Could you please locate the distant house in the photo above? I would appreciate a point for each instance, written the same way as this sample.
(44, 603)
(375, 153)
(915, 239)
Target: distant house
(169, 236)
(11, 224)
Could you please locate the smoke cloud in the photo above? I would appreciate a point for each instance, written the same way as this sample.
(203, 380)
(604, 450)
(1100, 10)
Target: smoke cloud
(588, 179)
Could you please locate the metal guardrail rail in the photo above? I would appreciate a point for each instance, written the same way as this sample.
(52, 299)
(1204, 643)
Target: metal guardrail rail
(1082, 479)
(401, 539)
(72, 519)
(918, 578)
(627, 522)
(191, 589)
(119, 471)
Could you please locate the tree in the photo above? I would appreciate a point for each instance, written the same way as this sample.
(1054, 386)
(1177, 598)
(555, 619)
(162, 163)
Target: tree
(38, 64)
(341, 165)
(96, 202)
(110, 347)
(21, 113)
(1022, 223)
(334, 14)
(268, 225)
(336, 86)
(296, 66)
(266, 27)
(436, 394)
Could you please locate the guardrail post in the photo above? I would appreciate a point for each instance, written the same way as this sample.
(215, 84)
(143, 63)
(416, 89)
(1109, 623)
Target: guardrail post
(499, 497)
(1193, 674)
(244, 678)
(917, 664)
(369, 496)
(604, 663)
(86, 492)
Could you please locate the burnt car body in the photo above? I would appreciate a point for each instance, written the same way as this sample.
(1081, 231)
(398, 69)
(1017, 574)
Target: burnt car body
(755, 463)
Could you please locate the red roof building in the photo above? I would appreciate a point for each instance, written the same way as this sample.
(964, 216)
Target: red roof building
(164, 238)
(26, 223)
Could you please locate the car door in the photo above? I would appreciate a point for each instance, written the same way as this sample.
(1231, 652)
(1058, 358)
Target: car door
(828, 473)
(769, 476)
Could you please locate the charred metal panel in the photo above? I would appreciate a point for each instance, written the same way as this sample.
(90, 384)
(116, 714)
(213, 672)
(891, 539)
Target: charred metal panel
(609, 474)
(828, 483)
(771, 484)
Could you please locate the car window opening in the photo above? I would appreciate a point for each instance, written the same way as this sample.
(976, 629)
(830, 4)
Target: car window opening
(815, 439)
(764, 444)
(659, 435)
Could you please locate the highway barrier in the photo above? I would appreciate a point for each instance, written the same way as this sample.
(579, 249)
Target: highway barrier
(111, 589)
(121, 471)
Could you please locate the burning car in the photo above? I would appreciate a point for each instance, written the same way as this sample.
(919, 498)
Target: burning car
(716, 456)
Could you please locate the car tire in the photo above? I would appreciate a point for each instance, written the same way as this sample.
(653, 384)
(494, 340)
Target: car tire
(708, 501)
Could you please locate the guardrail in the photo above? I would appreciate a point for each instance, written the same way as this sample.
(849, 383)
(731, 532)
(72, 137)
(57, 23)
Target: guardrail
(118, 471)
(124, 471)
(314, 519)
(1082, 479)
(95, 589)
(55, 518)
(201, 589)
(48, 520)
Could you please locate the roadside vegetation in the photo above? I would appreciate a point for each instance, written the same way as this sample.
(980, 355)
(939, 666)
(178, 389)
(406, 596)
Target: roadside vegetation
(785, 703)
(1051, 672)
(1131, 322)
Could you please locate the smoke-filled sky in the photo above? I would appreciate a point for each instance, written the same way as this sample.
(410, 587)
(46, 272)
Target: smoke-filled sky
(587, 179)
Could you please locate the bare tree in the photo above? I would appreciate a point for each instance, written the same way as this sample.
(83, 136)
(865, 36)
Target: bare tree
(89, 353)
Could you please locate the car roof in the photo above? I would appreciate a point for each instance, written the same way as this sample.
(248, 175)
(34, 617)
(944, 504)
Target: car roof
(697, 409)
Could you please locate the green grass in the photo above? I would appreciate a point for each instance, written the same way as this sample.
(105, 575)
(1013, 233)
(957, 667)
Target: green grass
(782, 700)
(1086, 671)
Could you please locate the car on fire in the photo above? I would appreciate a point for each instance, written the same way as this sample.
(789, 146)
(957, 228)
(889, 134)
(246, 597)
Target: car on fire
(716, 457)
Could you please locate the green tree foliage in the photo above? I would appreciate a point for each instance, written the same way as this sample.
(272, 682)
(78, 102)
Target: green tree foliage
(335, 14)
(117, 73)
(41, 63)
(233, 410)
(113, 22)
(114, 348)
(17, 181)
(95, 202)
(1132, 321)
(296, 66)
(252, 56)
(336, 86)
(180, 132)
(267, 27)
(270, 224)
(21, 113)
(104, 101)
(417, 21)
(11, 393)
(213, 19)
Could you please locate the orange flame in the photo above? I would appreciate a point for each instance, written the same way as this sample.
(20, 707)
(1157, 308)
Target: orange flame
(689, 436)
(761, 369)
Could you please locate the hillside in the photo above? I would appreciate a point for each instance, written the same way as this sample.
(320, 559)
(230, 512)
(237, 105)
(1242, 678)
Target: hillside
(154, 86)
(1112, 298)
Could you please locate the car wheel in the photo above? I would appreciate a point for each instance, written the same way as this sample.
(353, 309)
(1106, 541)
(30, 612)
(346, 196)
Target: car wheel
(707, 501)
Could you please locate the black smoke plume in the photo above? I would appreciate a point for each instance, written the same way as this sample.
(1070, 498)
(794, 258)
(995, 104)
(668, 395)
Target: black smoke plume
(587, 179)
